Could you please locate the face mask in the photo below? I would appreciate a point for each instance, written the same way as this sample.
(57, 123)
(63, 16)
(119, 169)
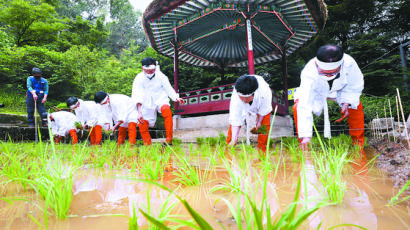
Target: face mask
(326, 78)
(149, 75)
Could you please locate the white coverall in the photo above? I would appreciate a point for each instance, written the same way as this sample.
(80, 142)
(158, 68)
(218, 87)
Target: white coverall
(314, 91)
(91, 114)
(262, 104)
(152, 94)
(63, 122)
(122, 108)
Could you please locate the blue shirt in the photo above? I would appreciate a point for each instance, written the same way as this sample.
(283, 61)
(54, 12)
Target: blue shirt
(30, 84)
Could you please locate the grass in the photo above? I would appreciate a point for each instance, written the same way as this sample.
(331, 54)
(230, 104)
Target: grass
(14, 100)
(50, 169)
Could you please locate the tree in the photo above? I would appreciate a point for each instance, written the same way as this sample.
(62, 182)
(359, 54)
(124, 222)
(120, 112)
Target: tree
(30, 22)
(126, 27)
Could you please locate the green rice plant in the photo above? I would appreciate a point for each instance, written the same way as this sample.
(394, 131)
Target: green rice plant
(200, 222)
(330, 164)
(239, 179)
(16, 167)
(189, 175)
(132, 221)
(54, 184)
(257, 215)
(151, 169)
(162, 214)
(395, 199)
(78, 125)
(176, 142)
(200, 141)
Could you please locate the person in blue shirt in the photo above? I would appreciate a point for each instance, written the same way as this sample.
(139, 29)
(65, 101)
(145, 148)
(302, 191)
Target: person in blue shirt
(37, 91)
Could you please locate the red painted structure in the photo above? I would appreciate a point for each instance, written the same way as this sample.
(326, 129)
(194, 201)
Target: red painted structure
(217, 99)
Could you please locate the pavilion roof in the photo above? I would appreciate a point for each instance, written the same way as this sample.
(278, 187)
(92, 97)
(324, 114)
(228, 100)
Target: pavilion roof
(213, 33)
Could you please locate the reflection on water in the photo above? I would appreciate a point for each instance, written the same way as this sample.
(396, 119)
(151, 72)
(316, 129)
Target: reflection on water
(105, 199)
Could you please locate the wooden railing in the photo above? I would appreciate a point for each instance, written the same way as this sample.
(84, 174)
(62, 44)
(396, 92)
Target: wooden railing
(216, 100)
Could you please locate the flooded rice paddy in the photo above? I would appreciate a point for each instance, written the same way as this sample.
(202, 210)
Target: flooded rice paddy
(106, 186)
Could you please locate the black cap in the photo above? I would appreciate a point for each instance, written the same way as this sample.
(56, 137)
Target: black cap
(329, 53)
(36, 71)
(99, 96)
(71, 101)
(246, 84)
(148, 61)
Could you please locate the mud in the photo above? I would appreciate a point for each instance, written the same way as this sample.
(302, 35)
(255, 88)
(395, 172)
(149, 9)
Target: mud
(394, 159)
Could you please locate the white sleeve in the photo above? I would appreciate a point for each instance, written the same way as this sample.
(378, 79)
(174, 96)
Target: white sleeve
(304, 107)
(235, 110)
(352, 91)
(137, 90)
(168, 88)
(266, 100)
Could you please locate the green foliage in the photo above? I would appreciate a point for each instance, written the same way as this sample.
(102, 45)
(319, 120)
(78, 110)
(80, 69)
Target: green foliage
(14, 99)
(31, 23)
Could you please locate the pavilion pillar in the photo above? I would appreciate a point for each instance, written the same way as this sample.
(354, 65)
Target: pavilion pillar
(176, 68)
(285, 78)
(251, 64)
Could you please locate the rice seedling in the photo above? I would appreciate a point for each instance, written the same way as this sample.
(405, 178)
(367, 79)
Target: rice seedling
(239, 178)
(330, 164)
(396, 199)
(132, 221)
(189, 175)
(200, 222)
(16, 167)
(54, 184)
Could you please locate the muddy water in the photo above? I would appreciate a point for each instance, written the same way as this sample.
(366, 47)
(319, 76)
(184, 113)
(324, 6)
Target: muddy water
(104, 199)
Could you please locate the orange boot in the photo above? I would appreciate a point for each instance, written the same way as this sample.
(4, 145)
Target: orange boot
(144, 130)
(229, 136)
(356, 126)
(122, 134)
(97, 134)
(295, 116)
(132, 133)
(73, 134)
(263, 138)
(167, 114)
(92, 135)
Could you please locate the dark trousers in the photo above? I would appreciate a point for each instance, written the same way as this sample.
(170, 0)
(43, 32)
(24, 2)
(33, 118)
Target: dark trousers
(40, 109)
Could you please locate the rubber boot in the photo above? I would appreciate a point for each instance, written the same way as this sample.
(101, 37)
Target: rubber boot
(132, 133)
(122, 134)
(73, 134)
(263, 138)
(229, 136)
(167, 114)
(356, 126)
(295, 116)
(97, 134)
(144, 130)
(92, 135)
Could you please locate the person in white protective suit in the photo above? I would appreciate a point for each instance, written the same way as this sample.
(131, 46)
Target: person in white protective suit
(63, 122)
(251, 95)
(150, 90)
(331, 75)
(90, 114)
(124, 113)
